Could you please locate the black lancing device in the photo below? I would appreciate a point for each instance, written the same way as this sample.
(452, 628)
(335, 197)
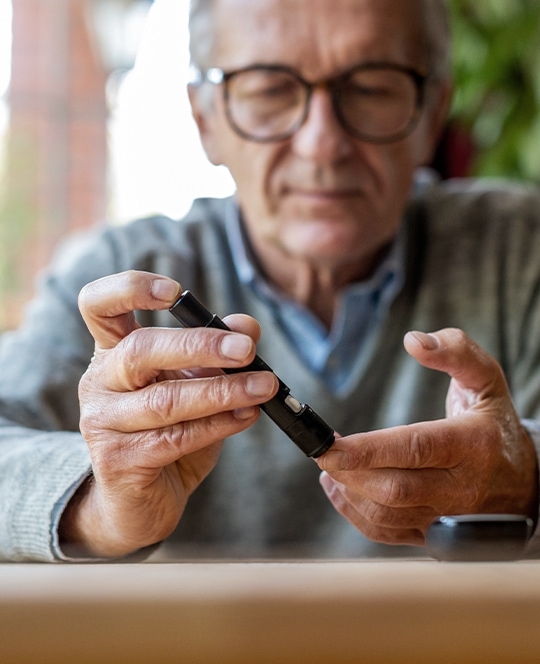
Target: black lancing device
(297, 420)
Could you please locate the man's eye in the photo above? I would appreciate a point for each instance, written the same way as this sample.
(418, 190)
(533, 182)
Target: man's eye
(270, 91)
(261, 85)
(370, 91)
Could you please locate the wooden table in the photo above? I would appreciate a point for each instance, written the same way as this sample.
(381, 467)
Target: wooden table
(280, 612)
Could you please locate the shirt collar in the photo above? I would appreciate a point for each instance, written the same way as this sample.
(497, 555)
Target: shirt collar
(389, 272)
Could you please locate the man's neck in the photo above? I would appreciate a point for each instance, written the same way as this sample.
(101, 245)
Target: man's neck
(315, 287)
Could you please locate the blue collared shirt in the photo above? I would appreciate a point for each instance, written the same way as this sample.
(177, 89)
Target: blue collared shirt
(361, 309)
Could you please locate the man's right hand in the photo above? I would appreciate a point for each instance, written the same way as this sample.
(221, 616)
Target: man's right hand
(155, 409)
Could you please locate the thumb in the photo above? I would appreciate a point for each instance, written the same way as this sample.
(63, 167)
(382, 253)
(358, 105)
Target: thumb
(450, 350)
(107, 305)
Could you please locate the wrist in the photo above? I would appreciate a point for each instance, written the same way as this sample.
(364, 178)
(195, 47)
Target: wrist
(81, 530)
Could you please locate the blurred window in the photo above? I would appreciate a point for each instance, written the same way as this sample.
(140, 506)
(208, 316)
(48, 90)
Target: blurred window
(157, 162)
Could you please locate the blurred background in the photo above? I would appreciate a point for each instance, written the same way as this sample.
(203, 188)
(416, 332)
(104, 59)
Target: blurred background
(95, 125)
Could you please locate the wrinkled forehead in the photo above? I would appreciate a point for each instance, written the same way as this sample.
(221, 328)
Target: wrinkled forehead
(319, 37)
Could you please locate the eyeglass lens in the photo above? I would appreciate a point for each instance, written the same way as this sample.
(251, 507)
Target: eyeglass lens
(267, 104)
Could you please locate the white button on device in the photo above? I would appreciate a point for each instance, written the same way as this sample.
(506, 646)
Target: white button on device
(293, 404)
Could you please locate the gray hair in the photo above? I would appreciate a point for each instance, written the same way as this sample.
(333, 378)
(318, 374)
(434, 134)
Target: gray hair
(436, 30)
(201, 33)
(437, 37)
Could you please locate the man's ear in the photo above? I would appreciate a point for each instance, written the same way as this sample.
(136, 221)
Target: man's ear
(202, 109)
(439, 107)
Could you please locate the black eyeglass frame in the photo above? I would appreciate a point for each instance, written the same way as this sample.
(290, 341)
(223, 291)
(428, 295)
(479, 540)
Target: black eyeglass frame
(217, 76)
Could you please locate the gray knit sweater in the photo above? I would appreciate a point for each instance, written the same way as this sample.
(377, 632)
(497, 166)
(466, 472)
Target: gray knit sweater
(472, 261)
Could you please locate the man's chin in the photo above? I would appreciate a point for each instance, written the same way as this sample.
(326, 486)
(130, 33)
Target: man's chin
(321, 208)
(327, 229)
(323, 242)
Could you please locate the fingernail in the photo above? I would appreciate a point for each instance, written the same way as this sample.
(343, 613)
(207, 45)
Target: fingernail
(260, 384)
(165, 290)
(246, 413)
(334, 460)
(236, 346)
(427, 341)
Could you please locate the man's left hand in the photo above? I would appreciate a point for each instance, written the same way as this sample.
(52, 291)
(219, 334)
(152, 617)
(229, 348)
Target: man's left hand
(393, 482)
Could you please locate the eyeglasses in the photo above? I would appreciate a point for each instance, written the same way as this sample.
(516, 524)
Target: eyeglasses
(375, 102)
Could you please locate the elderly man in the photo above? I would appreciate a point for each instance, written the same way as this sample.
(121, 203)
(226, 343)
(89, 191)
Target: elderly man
(124, 432)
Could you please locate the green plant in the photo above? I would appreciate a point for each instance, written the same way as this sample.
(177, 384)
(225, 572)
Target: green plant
(496, 50)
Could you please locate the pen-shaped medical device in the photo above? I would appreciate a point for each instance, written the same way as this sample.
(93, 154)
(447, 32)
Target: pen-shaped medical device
(300, 422)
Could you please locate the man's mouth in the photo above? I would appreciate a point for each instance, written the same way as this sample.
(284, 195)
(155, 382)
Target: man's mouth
(323, 194)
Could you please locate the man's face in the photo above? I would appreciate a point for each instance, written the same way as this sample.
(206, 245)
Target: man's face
(322, 196)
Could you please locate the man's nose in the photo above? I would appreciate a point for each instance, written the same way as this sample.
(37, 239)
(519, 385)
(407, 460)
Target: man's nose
(321, 137)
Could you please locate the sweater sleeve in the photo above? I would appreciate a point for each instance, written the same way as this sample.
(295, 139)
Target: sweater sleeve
(43, 457)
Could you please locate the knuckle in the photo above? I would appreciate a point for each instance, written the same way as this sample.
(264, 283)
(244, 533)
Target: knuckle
(188, 341)
(158, 403)
(133, 345)
(85, 382)
(421, 449)
(129, 356)
(91, 292)
(206, 396)
(362, 456)
(377, 514)
(130, 282)
(466, 345)
(396, 490)
(93, 417)
(464, 485)
(471, 494)
(85, 426)
(172, 437)
(133, 278)
(461, 339)
(87, 417)
(198, 347)
(457, 339)
(427, 448)
(168, 401)
(221, 390)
